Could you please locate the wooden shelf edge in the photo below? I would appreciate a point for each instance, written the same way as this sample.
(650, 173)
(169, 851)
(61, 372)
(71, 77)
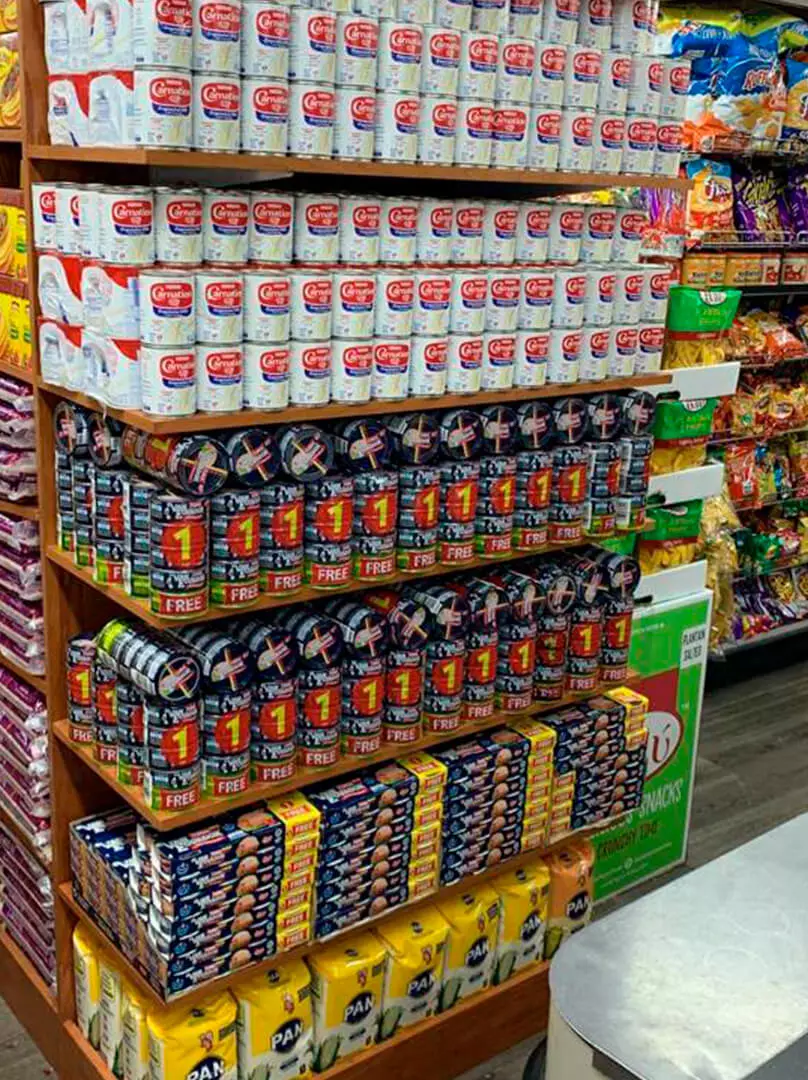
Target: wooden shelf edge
(22, 837)
(78, 1059)
(29, 998)
(37, 681)
(10, 134)
(25, 375)
(199, 159)
(156, 425)
(29, 511)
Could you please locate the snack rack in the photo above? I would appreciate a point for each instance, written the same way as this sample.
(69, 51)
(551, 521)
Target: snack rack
(444, 1045)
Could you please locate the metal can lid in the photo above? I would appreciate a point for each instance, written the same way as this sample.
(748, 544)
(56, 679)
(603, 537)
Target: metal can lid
(307, 453)
(500, 429)
(363, 445)
(461, 435)
(415, 438)
(536, 425)
(571, 419)
(639, 409)
(104, 436)
(253, 456)
(71, 429)
(198, 465)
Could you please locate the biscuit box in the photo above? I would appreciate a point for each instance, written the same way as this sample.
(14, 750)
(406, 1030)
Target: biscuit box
(353, 872)
(353, 857)
(360, 799)
(507, 745)
(212, 921)
(350, 891)
(394, 893)
(244, 835)
(499, 785)
(266, 862)
(218, 953)
(635, 704)
(298, 816)
(244, 876)
(226, 936)
(187, 907)
(430, 775)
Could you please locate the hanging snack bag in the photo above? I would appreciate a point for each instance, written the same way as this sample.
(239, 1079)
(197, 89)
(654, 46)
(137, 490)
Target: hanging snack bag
(709, 201)
(697, 325)
(681, 432)
(672, 538)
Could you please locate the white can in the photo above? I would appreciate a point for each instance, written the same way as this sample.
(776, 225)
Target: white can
(545, 138)
(398, 230)
(490, 16)
(397, 117)
(420, 12)
(161, 109)
(395, 301)
(391, 368)
(582, 76)
(530, 362)
(219, 305)
(467, 235)
(670, 144)
(576, 147)
(517, 62)
(43, 198)
(126, 225)
(440, 63)
(596, 347)
(469, 300)
(217, 36)
(634, 26)
(312, 46)
(504, 294)
(219, 378)
(454, 14)
(536, 299)
(499, 354)
(475, 132)
(357, 51)
(266, 375)
(675, 87)
(629, 233)
(434, 240)
(265, 36)
(566, 232)
(559, 21)
(168, 380)
(178, 225)
(533, 233)
(90, 221)
(162, 33)
(645, 92)
(600, 287)
(311, 119)
(650, 342)
(433, 295)
(564, 355)
(656, 285)
(316, 231)
(464, 363)
(110, 298)
(499, 233)
(312, 293)
(548, 79)
(524, 18)
(67, 212)
(264, 116)
(225, 226)
(623, 354)
(569, 297)
(359, 227)
(269, 239)
(595, 23)
(479, 60)
(309, 372)
(354, 304)
(640, 145)
(400, 51)
(351, 370)
(607, 143)
(437, 127)
(267, 306)
(598, 234)
(628, 289)
(428, 366)
(510, 136)
(217, 112)
(354, 123)
(167, 307)
(618, 68)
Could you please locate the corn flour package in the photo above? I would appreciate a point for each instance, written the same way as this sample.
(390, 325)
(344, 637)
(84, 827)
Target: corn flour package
(416, 947)
(111, 1012)
(473, 920)
(524, 896)
(571, 892)
(196, 1042)
(135, 1036)
(87, 982)
(275, 1023)
(347, 981)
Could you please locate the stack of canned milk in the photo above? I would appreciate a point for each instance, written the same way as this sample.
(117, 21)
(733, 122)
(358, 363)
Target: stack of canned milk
(176, 300)
(512, 83)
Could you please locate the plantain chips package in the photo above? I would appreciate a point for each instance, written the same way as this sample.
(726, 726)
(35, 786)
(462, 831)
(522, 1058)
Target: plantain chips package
(698, 321)
(681, 432)
(672, 538)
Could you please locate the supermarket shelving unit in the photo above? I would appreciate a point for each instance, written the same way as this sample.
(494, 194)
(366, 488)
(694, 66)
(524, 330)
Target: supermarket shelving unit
(445, 1045)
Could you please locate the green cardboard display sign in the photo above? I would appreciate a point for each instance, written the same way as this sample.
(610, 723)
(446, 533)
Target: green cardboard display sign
(669, 652)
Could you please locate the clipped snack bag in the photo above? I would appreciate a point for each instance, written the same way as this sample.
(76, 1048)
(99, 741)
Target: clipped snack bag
(697, 324)
(681, 432)
(197, 1040)
(773, 31)
(709, 201)
(755, 204)
(672, 538)
(697, 121)
(795, 123)
(750, 98)
(571, 892)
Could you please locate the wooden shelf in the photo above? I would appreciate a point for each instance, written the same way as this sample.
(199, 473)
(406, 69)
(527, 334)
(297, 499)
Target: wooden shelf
(25, 375)
(296, 166)
(79, 1061)
(37, 681)
(23, 510)
(10, 135)
(22, 838)
(30, 999)
(161, 425)
(165, 820)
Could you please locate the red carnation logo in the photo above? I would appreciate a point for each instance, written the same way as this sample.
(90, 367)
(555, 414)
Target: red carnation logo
(403, 219)
(185, 214)
(599, 342)
(230, 213)
(221, 20)
(435, 353)
(322, 31)
(474, 290)
(274, 214)
(519, 59)
(405, 113)
(552, 61)
(316, 360)
(505, 289)
(324, 215)
(274, 361)
(358, 359)
(470, 220)
(275, 293)
(444, 117)
(272, 24)
(47, 203)
(480, 120)
(362, 37)
(392, 356)
(177, 367)
(571, 345)
(621, 71)
(483, 53)
(174, 16)
(435, 292)
(502, 349)
(642, 133)
(471, 353)
(652, 337)
(225, 363)
(505, 222)
(538, 221)
(224, 294)
(571, 221)
(444, 48)
(633, 226)
(626, 339)
(440, 220)
(582, 126)
(363, 110)
(318, 105)
(317, 293)
(576, 289)
(548, 127)
(680, 79)
(537, 347)
(406, 43)
(586, 64)
(175, 295)
(655, 76)
(670, 137)
(366, 218)
(612, 130)
(400, 292)
(539, 289)
(221, 98)
(511, 123)
(132, 213)
(271, 100)
(359, 292)
(601, 222)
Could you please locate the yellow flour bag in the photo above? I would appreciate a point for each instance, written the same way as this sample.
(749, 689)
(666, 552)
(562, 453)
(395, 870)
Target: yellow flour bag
(111, 1011)
(524, 897)
(135, 1036)
(87, 984)
(473, 920)
(571, 892)
(275, 1025)
(194, 1042)
(416, 946)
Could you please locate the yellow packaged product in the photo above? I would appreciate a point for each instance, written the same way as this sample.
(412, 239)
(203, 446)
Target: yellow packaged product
(10, 101)
(473, 920)
(87, 984)
(275, 1023)
(347, 981)
(194, 1042)
(298, 815)
(524, 901)
(416, 947)
(635, 704)
(135, 1036)
(703, 270)
(431, 776)
(743, 268)
(571, 892)
(111, 1014)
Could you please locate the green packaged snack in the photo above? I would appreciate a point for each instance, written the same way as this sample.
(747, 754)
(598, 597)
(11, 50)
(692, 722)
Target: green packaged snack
(702, 311)
(681, 432)
(672, 536)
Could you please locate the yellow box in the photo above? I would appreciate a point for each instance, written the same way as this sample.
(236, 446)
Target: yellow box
(429, 815)
(290, 939)
(426, 865)
(637, 738)
(296, 813)
(301, 880)
(424, 842)
(429, 772)
(636, 705)
(422, 886)
(542, 738)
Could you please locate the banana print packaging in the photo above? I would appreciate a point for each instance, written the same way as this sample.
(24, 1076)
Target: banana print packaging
(275, 1023)
(135, 1036)
(524, 898)
(347, 984)
(416, 947)
(194, 1042)
(473, 920)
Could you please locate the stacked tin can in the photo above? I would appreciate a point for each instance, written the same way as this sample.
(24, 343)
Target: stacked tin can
(281, 546)
(534, 471)
(235, 528)
(460, 444)
(364, 634)
(586, 624)
(79, 659)
(488, 610)
(415, 439)
(178, 555)
(568, 493)
(407, 623)
(620, 581)
(81, 478)
(497, 498)
(105, 721)
(445, 657)
(319, 644)
(516, 650)
(329, 517)
(109, 527)
(137, 495)
(635, 448)
(552, 630)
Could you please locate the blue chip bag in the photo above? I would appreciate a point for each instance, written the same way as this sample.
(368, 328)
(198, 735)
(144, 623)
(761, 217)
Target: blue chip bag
(774, 31)
(693, 30)
(750, 95)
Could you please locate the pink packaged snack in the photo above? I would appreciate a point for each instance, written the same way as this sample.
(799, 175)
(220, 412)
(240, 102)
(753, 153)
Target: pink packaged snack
(19, 534)
(18, 395)
(24, 700)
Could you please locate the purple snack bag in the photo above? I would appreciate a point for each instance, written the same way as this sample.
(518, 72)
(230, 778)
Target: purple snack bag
(757, 219)
(797, 195)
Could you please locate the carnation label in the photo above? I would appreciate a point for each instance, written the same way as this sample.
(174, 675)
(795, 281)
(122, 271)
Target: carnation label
(548, 83)
(270, 233)
(545, 138)
(178, 226)
(311, 119)
(168, 380)
(216, 113)
(225, 224)
(162, 109)
(441, 61)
